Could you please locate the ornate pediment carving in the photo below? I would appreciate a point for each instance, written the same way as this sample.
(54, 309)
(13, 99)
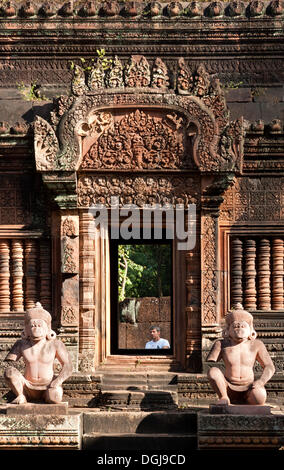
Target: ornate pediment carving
(141, 140)
(134, 116)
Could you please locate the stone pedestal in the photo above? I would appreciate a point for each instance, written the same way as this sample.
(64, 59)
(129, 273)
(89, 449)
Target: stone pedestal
(244, 432)
(35, 425)
(239, 409)
(37, 409)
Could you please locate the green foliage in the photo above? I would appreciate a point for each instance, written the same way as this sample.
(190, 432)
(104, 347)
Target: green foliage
(31, 92)
(144, 270)
(88, 65)
(233, 85)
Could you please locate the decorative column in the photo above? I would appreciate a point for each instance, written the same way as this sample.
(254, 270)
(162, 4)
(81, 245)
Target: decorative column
(210, 274)
(250, 275)
(264, 293)
(4, 276)
(17, 276)
(87, 286)
(236, 272)
(31, 263)
(277, 274)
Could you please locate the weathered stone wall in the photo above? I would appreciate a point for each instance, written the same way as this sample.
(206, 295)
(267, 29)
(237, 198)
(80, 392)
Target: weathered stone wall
(138, 315)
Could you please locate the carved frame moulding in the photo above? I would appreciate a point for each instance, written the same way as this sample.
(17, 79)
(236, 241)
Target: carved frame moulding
(102, 141)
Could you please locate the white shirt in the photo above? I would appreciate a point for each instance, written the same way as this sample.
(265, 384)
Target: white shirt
(157, 344)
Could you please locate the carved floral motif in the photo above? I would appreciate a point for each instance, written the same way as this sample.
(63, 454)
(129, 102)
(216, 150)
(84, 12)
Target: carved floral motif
(68, 262)
(138, 190)
(209, 271)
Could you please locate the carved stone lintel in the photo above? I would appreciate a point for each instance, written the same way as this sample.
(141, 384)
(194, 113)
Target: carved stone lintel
(139, 190)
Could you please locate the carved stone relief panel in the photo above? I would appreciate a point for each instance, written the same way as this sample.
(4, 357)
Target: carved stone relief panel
(254, 199)
(140, 140)
(139, 190)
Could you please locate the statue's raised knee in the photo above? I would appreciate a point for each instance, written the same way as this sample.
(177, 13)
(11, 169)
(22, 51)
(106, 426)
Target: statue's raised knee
(10, 373)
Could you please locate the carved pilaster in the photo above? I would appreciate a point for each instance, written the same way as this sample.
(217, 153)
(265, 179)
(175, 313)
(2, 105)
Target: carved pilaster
(277, 273)
(87, 282)
(193, 339)
(69, 318)
(250, 275)
(45, 276)
(209, 269)
(31, 262)
(264, 293)
(236, 272)
(4, 276)
(17, 276)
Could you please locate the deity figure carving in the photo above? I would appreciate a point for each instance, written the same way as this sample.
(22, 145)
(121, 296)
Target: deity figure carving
(39, 348)
(239, 350)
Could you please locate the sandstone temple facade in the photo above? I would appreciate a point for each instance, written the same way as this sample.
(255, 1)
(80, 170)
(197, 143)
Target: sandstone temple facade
(169, 103)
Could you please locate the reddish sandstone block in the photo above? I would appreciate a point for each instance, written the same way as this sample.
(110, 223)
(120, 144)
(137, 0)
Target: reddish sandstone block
(148, 309)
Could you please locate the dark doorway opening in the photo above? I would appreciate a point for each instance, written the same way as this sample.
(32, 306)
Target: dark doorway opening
(141, 296)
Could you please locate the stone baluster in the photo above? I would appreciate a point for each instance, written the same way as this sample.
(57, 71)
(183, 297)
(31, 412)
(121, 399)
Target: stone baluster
(236, 272)
(45, 274)
(264, 293)
(31, 262)
(17, 276)
(277, 274)
(250, 275)
(4, 276)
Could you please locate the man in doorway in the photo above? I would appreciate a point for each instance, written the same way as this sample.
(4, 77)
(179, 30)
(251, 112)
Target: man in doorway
(157, 342)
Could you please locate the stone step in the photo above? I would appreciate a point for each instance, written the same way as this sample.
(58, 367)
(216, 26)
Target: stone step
(139, 442)
(142, 399)
(142, 387)
(172, 422)
(119, 386)
(133, 376)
